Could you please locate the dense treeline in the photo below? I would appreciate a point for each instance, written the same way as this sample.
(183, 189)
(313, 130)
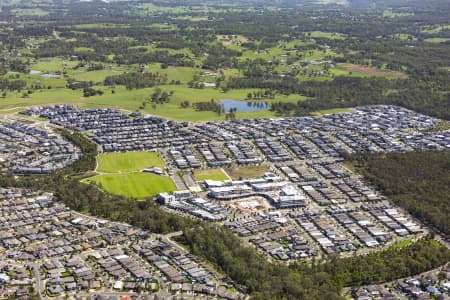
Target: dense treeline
(266, 280)
(345, 91)
(417, 181)
(388, 265)
(88, 149)
(262, 279)
(209, 106)
(12, 85)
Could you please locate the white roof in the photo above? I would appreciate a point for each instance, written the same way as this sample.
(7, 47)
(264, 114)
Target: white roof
(77, 220)
(119, 257)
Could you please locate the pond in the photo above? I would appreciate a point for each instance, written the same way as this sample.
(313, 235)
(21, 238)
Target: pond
(34, 72)
(50, 75)
(244, 106)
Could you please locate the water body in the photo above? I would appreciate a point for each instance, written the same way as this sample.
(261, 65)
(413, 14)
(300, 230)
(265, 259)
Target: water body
(50, 75)
(244, 106)
(46, 75)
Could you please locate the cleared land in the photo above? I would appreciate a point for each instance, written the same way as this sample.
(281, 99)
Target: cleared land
(231, 40)
(211, 174)
(247, 171)
(136, 185)
(250, 204)
(435, 29)
(369, 71)
(326, 35)
(128, 161)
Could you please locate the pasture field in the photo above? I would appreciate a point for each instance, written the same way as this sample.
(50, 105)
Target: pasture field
(183, 74)
(326, 35)
(131, 100)
(435, 29)
(83, 49)
(211, 174)
(247, 171)
(359, 70)
(128, 161)
(231, 40)
(52, 64)
(437, 40)
(54, 91)
(136, 185)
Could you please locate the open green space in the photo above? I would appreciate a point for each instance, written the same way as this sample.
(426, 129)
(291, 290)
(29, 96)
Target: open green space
(402, 244)
(135, 185)
(128, 161)
(83, 49)
(435, 29)
(333, 111)
(52, 64)
(30, 12)
(355, 70)
(247, 171)
(326, 35)
(183, 74)
(119, 174)
(211, 174)
(131, 100)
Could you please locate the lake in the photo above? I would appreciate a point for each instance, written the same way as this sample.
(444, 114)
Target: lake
(244, 106)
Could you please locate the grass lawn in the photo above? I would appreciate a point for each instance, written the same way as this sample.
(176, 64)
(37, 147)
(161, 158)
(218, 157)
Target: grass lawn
(211, 174)
(437, 40)
(135, 185)
(122, 174)
(10, 110)
(83, 49)
(247, 171)
(128, 161)
(131, 100)
(402, 244)
(183, 74)
(52, 64)
(333, 111)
